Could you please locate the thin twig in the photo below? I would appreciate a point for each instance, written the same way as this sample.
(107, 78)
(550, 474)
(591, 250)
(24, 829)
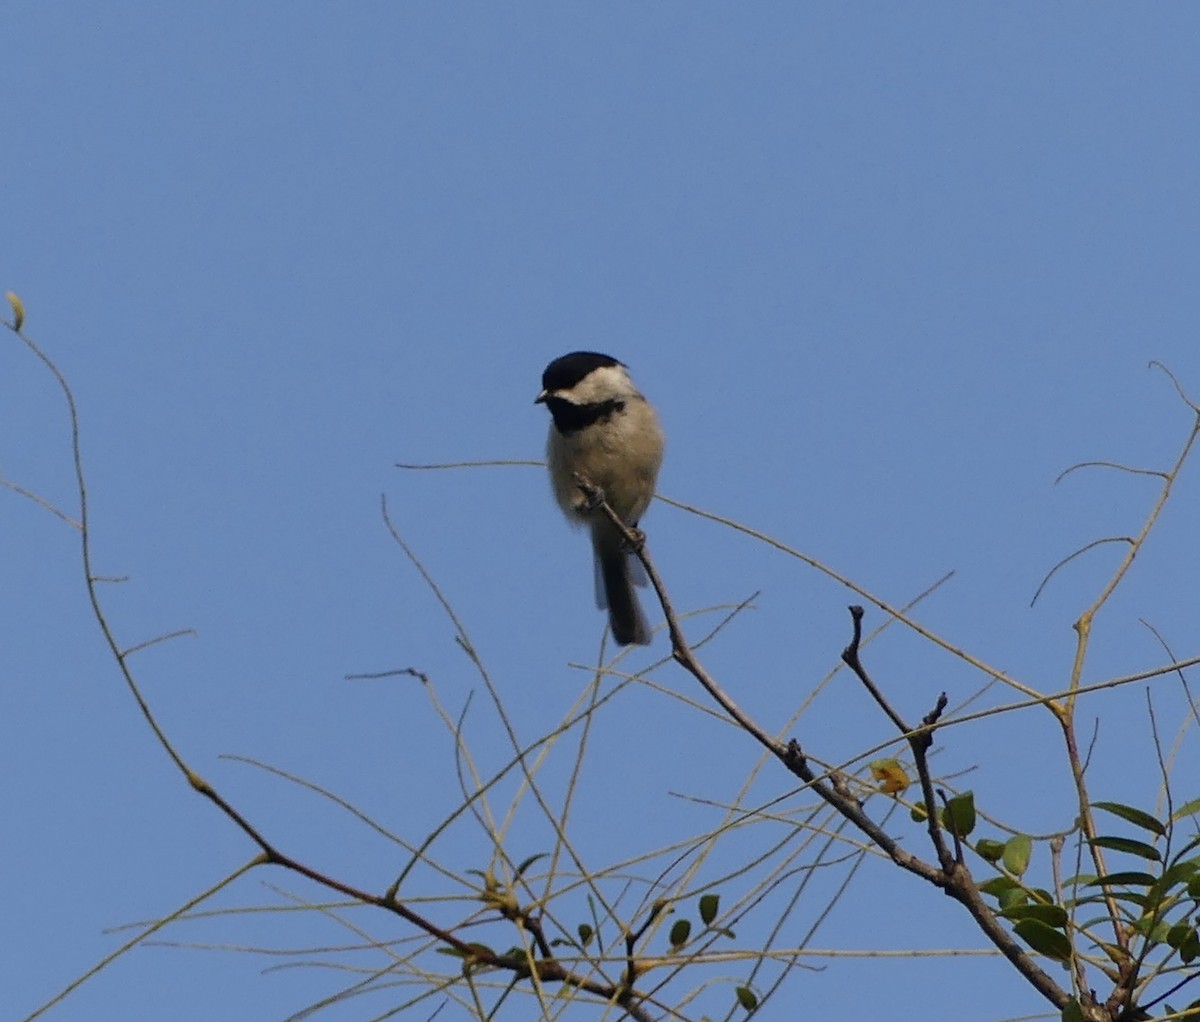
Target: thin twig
(1064, 711)
(40, 501)
(157, 639)
(1109, 464)
(897, 613)
(1070, 557)
(497, 463)
(919, 741)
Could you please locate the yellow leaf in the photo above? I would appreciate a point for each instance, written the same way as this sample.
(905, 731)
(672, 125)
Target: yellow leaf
(890, 775)
(18, 308)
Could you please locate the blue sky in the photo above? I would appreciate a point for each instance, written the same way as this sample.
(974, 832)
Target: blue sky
(886, 270)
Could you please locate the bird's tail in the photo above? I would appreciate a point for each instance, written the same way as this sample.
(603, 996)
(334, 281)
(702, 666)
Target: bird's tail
(615, 576)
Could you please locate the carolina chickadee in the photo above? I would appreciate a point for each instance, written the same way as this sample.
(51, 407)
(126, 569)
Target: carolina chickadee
(607, 433)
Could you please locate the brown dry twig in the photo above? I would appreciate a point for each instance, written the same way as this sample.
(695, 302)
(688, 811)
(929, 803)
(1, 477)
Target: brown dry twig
(545, 970)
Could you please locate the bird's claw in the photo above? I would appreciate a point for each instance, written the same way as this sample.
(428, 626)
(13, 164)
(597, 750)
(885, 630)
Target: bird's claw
(593, 496)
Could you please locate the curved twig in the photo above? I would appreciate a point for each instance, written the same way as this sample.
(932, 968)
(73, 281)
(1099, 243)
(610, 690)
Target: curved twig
(1070, 557)
(1109, 464)
(1156, 364)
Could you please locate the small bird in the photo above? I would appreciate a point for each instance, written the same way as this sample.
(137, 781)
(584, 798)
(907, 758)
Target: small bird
(606, 433)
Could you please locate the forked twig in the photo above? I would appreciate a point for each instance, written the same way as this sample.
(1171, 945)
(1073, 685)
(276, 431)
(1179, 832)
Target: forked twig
(520, 965)
(952, 877)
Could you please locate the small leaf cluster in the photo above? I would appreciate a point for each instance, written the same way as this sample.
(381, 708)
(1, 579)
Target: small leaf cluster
(1159, 903)
(681, 930)
(1157, 900)
(709, 906)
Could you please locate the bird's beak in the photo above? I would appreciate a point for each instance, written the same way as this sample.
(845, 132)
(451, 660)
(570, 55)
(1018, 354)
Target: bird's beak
(541, 398)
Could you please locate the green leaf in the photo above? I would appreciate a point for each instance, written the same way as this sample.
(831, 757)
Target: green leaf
(1005, 890)
(998, 886)
(746, 998)
(1178, 935)
(989, 850)
(1155, 932)
(518, 954)
(529, 862)
(586, 933)
(1091, 899)
(1129, 846)
(959, 814)
(1018, 850)
(1179, 871)
(918, 813)
(680, 932)
(1072, 1012)
(1187, 809)
(1165, 888)
(1088, 925)
(709, 904)
(1116, 954)
(1126, 879)
(1133, 815)
(1129, 897)
(476, 948)
(1012, 897)
(1051, 915)
(1045, 939)
(1078, 879)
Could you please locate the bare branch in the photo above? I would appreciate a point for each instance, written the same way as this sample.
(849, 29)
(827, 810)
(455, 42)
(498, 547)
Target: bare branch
(895, 612)
(953, 877)
(41, 502)
(157, 639)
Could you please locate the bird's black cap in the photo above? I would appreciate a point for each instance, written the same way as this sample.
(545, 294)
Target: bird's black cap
(563, 373)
